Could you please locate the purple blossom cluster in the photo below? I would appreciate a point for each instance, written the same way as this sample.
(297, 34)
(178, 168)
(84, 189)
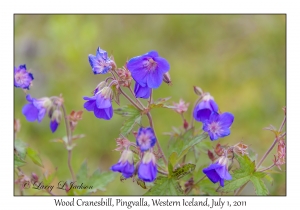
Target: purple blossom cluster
(146, 168)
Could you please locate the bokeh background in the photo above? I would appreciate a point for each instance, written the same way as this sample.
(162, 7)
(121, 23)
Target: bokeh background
(239, 59)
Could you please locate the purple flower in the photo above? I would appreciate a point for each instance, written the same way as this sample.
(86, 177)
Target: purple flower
(141, 92)
(218, 172)
(55, 120)
(36, 109)
(147, 169)
(148, 69)
(100, 63)
(145, 138)
(218, 125)
(125, 164)
(23, 78)
(205, 108)
(100, 104)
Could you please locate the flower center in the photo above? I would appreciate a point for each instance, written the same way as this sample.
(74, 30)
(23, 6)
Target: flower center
(144, 140)
(20, 78)
(214, 127)
(150, 64)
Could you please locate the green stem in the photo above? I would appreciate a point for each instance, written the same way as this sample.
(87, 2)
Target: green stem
(137, 100)
(69, 136)
(129, 99)
(157, 142)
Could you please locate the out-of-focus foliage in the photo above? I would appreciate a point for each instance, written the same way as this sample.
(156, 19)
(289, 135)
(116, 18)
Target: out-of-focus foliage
(239, 59)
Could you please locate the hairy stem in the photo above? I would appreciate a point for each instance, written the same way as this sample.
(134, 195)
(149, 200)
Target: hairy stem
(271, 166)
(195, 184)
(162, 172)
(69, 136)
(137, 100)
(265, 155)
(129, 99)
(273, 144)
(157, 142)
(192, 117)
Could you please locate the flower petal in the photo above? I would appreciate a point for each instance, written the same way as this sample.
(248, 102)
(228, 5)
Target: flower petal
(30, 112)
(100, 113)
(102, 102)
(154, 79)
(226, 119)
(141, 92)
(109, 112)
(147, 172)
(162, 65)
(53, 125)
(90, 105)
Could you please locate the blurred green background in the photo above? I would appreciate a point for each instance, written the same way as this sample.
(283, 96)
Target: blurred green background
(239, 59)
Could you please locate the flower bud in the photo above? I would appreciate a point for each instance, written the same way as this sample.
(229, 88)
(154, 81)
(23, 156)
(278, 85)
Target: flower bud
(34, 177)
(198, 91)
(167, 78)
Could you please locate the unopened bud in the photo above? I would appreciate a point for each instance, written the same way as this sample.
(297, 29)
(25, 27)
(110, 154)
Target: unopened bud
(210, 155)
(185, 124)
(198, 91)
(56, 115)
(167, 78)
(34, 177)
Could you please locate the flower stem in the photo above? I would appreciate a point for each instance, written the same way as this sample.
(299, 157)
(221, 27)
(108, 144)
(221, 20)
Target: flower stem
(129, 99)
(192, 118)
(265, 155)
(157, 142)
(273, 144)
(137, 100)
(271, 166)
(195, 184)
(69, 136)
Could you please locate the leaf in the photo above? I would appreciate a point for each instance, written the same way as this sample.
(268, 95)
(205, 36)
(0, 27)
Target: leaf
(181, 147)
(82, 174)
(21, 146)
(161, 102)
(165, 186)
(100, 180)
(184, 170)
(129, 124)
(259, 185)
(269, 178)
(49, 178)
(34, 156)
(78, 136)
(18, 161)
(207, 187)
(127, 111)
(240, 176)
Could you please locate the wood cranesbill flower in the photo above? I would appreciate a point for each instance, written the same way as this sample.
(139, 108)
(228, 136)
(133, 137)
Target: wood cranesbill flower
(125, 164)
(36, 108)
(100, 104)
(147, 170)
(141, 92)
(100, 63)
(55, 120)
(218, 171)
(22, 78)
(148, 69)
(218, 125)
(205, 108)
(145, 138)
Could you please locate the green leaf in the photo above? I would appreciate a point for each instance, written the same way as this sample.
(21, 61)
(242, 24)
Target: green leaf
(240, 176)
(165, 186)
(182, 147)
(82, 174)
(161, 102)
(21, 146)
(207, 188)
(49, 178)
(269, 178)
(127, 111)
(100, 180)
(18, 161)
(34, 156)
(129, 124)
(259, 185)
(184, 170)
